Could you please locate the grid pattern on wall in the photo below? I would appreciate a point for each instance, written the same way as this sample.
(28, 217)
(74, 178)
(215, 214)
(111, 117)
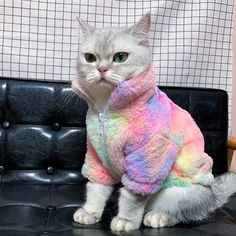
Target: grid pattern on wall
(190, 40)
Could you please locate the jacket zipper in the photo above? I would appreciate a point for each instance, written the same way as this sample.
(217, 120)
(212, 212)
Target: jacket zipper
(102, 135)
(102, 115)
(102, 121)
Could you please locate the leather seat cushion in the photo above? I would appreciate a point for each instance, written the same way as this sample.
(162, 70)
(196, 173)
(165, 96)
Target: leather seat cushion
(47, 209)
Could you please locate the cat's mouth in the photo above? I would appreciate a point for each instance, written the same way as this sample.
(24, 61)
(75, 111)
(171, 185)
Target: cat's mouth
(106, 81)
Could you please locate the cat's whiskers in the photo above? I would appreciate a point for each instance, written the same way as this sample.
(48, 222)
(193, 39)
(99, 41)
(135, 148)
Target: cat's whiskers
(92, 75)
(116, 76)
(115, 79)
(90, 80)
(66, 98)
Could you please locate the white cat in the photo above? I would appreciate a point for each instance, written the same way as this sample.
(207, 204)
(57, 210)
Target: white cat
(108, 58)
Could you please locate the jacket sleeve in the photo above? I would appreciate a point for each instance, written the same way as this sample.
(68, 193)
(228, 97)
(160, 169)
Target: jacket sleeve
(147, 167)
(93, 168)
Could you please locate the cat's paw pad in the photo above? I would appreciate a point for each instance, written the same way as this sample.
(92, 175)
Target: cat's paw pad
(119, 224)
(85, 218)
(158, 219)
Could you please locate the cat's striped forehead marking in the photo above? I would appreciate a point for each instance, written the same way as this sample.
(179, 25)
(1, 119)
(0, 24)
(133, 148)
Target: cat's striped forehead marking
(104, 46)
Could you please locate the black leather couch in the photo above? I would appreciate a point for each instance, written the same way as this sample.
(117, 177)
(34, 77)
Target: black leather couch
(42, 149)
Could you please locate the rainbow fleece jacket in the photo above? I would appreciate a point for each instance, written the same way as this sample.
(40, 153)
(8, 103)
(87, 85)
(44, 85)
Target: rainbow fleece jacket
(143, 140)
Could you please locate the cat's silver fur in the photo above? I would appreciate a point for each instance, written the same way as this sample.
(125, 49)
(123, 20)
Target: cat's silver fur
(103, 43)
(171, 205)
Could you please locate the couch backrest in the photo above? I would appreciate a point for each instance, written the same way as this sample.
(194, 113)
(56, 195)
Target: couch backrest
(43, 133)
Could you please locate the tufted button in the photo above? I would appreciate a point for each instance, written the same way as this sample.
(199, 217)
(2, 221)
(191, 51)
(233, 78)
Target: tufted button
(56, 127)
(2, 169)
(6, 125)
(50, 170)
(51, 208)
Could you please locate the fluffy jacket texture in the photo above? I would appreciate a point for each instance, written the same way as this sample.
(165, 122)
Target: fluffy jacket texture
(143, 140)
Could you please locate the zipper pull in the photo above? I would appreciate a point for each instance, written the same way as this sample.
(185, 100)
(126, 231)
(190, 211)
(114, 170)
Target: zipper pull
(102, 117)
(100, 131)
(102, 120)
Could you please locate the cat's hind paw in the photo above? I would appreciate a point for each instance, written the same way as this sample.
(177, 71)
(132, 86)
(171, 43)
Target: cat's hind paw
(85, 218)
(158, 219)
(119, 224)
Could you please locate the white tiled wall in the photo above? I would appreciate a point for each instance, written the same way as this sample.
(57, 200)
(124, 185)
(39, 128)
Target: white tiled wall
(190, 40)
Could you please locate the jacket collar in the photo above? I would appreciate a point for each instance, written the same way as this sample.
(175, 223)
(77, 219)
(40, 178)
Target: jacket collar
(134, 88)
(142, 85)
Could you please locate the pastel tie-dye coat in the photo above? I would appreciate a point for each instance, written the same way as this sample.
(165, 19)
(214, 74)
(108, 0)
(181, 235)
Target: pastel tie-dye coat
(143, 140)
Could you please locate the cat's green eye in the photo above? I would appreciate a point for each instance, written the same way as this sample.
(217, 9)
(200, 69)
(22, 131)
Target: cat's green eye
(120, 57)
(90, 58)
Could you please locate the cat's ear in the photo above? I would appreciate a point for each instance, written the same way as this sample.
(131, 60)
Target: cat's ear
(141, 29)
(84, 28)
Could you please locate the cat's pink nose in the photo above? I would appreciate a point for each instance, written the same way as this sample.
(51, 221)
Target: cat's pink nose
(102, 69)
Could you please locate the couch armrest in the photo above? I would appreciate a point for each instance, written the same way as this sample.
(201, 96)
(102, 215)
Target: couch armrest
(231, 143)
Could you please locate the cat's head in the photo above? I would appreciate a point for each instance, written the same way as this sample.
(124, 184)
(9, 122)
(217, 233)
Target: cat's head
(108, 56)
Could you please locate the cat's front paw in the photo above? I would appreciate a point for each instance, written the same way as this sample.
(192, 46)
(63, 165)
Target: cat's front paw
(85, 218)
(159, 219)
(119, 224)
